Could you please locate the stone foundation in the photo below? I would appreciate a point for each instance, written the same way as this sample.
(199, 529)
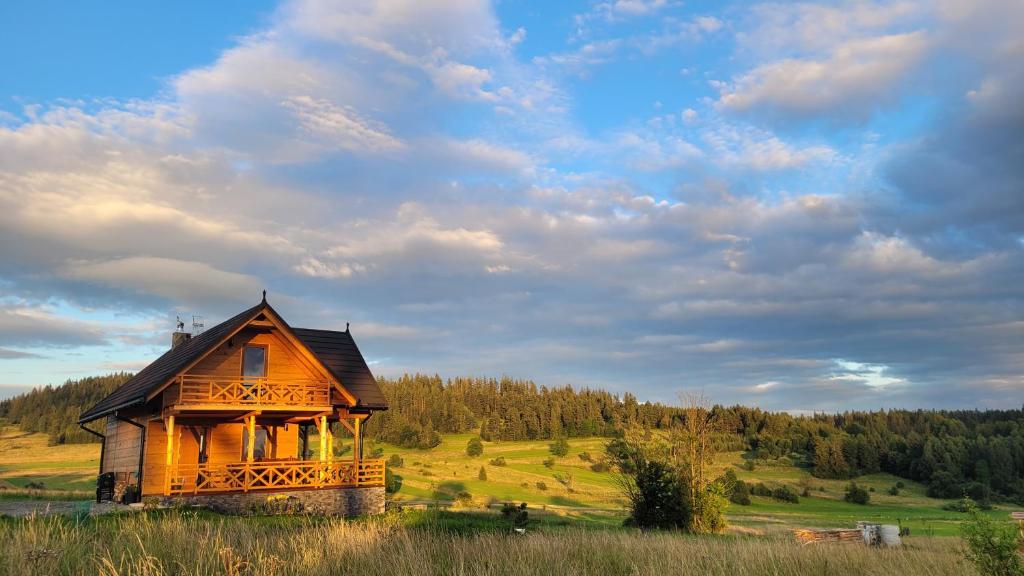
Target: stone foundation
(332, 501)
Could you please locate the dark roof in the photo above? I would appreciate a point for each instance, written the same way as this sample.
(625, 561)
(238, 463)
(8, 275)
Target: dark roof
(336, 350)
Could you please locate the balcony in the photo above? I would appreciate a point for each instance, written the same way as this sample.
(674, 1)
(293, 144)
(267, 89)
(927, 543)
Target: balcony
(274, 475)
(195, 390)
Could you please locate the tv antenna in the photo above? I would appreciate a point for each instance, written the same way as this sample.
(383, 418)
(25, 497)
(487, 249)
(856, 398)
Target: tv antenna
(197, 325)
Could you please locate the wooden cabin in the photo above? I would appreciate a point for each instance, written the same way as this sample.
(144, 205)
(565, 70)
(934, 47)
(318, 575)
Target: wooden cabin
(244, 412)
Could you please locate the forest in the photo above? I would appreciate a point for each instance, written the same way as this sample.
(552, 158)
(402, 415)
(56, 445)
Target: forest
(977, 453)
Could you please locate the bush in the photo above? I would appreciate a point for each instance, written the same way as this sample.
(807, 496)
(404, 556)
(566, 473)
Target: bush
(991, 546)
(740, 493)
(856, 495)
(482, 475)
(785, 494)
(559, 447)
(516, 514)
(395, 461)
(392, 481)
(464, 498)
(585, 456)
(600, 466)
(475, 447)
(760, 489)
(542, 486)
(960, 505)
(749, 465)
(899, 484)
(894, 491)
(565, 480)
(549, 462)
(499, 461)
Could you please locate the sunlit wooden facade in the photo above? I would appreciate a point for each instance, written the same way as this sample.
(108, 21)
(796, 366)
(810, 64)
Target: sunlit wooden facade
(250, 405)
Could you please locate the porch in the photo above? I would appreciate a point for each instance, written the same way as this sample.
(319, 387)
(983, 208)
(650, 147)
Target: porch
(222, 452)
(288, 474)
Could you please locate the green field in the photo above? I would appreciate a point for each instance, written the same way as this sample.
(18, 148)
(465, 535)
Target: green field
(439, 475)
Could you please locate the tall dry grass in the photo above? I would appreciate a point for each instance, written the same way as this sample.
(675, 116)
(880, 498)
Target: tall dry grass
(190, 544)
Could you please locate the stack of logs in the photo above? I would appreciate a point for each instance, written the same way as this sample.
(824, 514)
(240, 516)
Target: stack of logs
(828, 535)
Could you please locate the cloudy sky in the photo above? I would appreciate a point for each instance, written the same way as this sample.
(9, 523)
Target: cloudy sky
(796, 206)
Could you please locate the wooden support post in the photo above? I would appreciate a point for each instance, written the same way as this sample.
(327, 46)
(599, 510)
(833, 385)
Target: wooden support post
(251, 451)
(169, 424)
(330, 440)
(357, 441)
(322, 428)
(357, 448)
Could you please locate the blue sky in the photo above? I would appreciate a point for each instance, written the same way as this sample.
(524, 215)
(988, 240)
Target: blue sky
(798, 206)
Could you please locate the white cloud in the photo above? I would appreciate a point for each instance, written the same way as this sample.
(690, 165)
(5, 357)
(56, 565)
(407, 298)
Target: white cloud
(754, 149)
(183, 281)
(854, 79)
(340, 127)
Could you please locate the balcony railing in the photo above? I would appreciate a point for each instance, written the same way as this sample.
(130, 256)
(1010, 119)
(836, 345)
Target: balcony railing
(277, 475)
(253, 391)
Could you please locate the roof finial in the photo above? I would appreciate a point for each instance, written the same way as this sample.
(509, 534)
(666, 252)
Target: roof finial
(346, 327)
(264, 296)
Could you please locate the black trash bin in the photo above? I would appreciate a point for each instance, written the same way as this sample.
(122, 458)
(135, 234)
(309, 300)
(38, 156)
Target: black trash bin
(105, 487)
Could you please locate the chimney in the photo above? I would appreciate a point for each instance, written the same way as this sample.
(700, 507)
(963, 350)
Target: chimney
(179, 338)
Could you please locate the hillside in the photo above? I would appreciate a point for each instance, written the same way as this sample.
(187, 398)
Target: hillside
(951, 453)
(54, 410)
(441, 474)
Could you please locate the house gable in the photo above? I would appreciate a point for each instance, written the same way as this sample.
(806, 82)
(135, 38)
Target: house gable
(287, 356)
(329, 353)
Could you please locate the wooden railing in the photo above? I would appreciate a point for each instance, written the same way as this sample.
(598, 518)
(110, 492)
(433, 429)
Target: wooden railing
(252, 391)
(277, 475)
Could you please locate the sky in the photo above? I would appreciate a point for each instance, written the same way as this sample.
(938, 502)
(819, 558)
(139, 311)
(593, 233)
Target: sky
(798, 206)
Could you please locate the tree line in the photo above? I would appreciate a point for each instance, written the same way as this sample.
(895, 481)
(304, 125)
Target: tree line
(977, 453)
(54, 410)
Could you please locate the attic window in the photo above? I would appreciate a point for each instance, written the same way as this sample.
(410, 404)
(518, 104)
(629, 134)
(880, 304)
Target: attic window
(254, 361)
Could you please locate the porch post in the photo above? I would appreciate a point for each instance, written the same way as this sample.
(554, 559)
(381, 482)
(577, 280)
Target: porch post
(357, 448)
(169, 424)
(322, 428)
(330, 440)
(251, 449)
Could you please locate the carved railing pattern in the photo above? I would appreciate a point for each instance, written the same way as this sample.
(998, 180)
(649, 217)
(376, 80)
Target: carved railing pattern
(278, 475)
(252, 391)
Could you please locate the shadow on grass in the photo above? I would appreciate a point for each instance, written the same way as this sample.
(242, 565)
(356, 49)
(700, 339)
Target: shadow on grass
(448, 490)
(563, 501)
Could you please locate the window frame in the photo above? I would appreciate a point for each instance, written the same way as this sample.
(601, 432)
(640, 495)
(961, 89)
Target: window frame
(266, 360)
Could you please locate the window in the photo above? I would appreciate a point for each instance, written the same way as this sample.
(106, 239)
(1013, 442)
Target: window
(254, 365)
(254, 361)
(259, 450)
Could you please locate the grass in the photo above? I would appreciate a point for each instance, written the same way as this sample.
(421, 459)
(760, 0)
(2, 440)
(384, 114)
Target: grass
(440, 474)
(66, 471)
(595, 494)
(427, 542)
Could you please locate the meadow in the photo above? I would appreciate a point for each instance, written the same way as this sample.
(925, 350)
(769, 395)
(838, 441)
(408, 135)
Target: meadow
(569, 488)
(444, 521)
(427, 542)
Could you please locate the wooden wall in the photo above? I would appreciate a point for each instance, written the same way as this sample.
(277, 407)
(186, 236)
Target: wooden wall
(282, 361)
(122, 447)
(155, 459)
(226, 443)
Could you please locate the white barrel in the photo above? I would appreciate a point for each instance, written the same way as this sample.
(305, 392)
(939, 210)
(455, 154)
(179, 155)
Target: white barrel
(889, 535)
